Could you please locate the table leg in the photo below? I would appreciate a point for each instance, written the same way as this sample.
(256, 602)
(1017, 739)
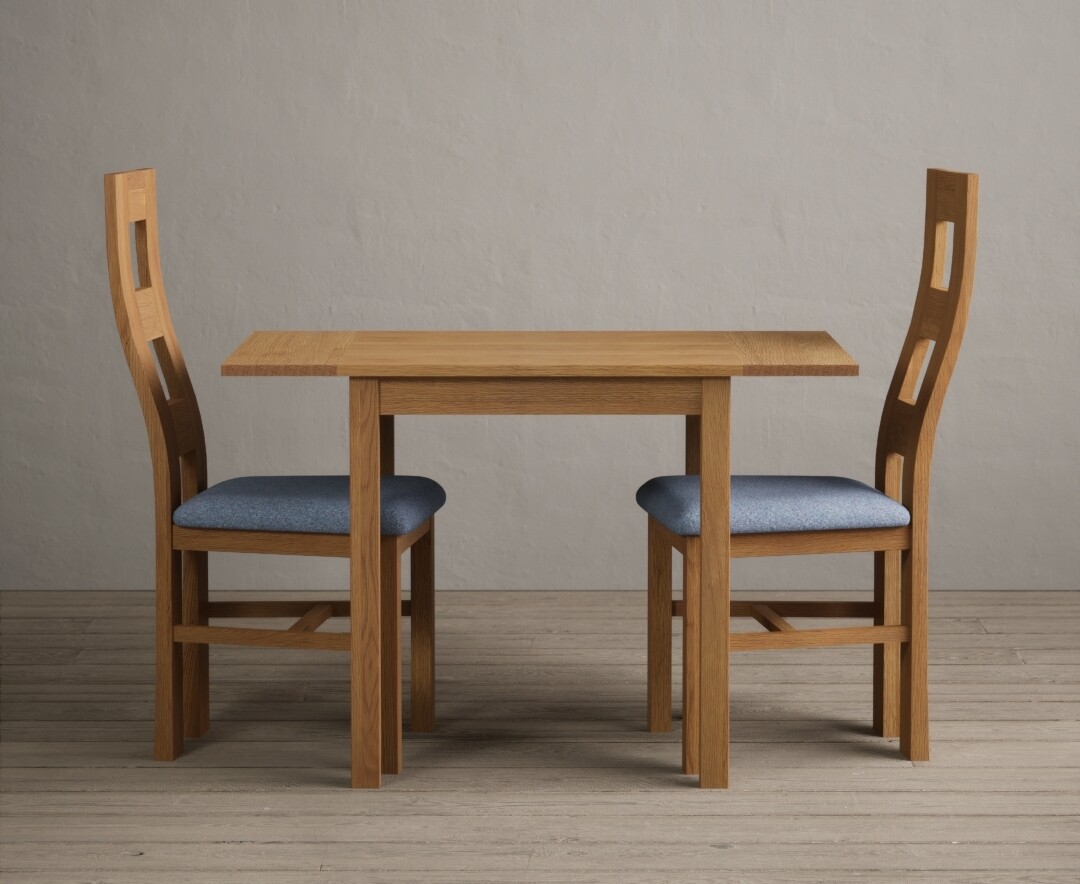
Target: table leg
(715, 598)
(691, 613)
(364, 583)
(390, 566)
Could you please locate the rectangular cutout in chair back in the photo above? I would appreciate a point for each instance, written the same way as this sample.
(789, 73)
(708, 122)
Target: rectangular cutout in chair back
(158, 354)
(133, 255)
(943, 254)
(915, 377)
(140, 256)
(180, 413)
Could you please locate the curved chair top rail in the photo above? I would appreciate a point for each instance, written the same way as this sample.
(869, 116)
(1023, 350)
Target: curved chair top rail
(913, 405)
(171, 412)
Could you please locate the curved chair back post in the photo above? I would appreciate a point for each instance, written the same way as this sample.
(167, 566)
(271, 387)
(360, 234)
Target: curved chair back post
(173, 423)
(909, 419)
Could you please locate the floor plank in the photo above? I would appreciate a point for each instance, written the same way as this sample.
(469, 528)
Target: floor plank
(541, 769)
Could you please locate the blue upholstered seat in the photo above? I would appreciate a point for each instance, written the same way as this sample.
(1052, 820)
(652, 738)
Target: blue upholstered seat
(771, 504)
(307, 504)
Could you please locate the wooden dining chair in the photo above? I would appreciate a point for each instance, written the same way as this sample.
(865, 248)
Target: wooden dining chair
(806, 515)
(287, 515)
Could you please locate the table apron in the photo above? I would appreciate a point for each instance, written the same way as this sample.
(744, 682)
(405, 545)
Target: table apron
(540, 395)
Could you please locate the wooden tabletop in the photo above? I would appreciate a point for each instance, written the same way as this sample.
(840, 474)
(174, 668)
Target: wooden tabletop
(518, 354)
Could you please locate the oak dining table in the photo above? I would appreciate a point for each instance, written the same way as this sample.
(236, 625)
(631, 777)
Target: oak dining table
(684, 373)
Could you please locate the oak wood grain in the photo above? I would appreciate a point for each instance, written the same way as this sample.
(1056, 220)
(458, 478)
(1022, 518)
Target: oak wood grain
(315, 617)
(552, 354)
(540, 396)
(365, 595)
(714, 593)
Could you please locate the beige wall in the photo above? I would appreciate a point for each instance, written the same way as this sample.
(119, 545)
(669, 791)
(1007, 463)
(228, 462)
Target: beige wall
(539, 165)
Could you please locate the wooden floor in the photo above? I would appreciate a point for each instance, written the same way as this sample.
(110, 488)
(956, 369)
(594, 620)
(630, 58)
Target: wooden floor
(541, 769)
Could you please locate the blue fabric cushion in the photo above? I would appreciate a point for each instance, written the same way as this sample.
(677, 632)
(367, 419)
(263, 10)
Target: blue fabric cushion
(771, 504)
(307, 504)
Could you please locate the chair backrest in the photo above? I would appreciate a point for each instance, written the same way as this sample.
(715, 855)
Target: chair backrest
(913, 405)
(173, 423)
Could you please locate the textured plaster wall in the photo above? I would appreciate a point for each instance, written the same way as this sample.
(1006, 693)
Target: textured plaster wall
(538, 165)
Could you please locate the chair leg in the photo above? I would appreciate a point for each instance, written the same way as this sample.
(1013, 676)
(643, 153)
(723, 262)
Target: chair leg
(691, 651)
(390, 621)
(914, 675)
(196, 656)
(659, 642)
(422, 633)
(169, 666)
(887, 656)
